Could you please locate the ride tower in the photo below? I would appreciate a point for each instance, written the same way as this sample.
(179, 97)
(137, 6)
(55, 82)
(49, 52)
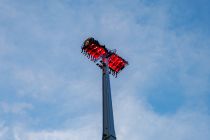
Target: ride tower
(110, 63)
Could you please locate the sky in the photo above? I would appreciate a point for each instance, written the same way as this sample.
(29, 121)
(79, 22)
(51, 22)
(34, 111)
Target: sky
(50, 91)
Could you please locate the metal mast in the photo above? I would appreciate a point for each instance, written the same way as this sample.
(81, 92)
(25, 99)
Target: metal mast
(110, 63)
(108, 120)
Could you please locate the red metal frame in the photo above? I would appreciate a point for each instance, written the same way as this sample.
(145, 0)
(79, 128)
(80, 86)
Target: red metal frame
(116, 63)
(93, 50)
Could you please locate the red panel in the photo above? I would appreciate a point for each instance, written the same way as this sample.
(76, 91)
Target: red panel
(116, 63)
(93, 49)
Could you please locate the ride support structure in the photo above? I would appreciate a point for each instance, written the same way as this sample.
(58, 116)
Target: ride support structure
(108, 119)
(110, 63)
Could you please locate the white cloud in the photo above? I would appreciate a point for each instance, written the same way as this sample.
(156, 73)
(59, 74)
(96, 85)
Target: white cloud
(16, 108)
(133, 120)
(3, 130)
(42, 85)
(140, 32)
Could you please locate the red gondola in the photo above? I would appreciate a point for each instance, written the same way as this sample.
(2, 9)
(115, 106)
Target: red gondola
(116, 63)
(93, 50)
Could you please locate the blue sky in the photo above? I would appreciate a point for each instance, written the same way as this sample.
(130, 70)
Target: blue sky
(50, 91)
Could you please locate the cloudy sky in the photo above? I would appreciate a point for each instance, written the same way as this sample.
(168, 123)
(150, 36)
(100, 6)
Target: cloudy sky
(50, 91)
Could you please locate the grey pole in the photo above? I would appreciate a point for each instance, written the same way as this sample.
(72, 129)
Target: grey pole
(108, 120)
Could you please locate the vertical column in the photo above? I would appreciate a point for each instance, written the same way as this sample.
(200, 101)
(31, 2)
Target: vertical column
(108, 120)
